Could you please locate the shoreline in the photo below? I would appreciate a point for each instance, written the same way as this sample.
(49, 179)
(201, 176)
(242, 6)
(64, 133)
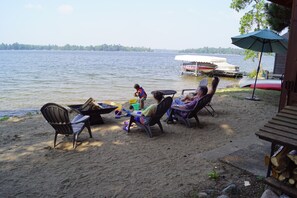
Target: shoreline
(32, 111)
(23, 112)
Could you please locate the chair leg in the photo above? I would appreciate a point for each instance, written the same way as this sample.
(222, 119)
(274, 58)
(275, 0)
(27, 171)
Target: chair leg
(55, 140)
(160, 125)
(75, 136)
(130, 122)
(211, 113)
(197, 119)
(148, 130)
(187, 121)
(89, 128)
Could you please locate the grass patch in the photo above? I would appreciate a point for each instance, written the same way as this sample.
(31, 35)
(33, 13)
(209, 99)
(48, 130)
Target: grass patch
(267, 96)
(213, 175)
(4, 118)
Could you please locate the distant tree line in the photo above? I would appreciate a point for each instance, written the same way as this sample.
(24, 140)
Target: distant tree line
(212, 50)
(104, 47)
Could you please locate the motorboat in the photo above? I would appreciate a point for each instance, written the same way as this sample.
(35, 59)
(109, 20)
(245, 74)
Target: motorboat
(196, 64)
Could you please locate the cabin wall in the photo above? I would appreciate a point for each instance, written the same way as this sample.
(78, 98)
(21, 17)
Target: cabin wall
(280, 60)
(280, 63)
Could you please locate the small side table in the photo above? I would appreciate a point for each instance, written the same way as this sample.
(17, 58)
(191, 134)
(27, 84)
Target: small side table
(166, 92)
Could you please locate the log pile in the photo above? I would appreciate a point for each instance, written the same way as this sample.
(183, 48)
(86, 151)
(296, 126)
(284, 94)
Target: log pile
(90, 105)
(284, 166)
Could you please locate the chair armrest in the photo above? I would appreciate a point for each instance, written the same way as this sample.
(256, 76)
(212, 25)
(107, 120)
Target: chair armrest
(74, 110)
(187, 90)
(80, 118)
(180, 108)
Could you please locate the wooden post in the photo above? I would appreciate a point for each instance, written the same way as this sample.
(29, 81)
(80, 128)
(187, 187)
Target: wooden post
(289, 87)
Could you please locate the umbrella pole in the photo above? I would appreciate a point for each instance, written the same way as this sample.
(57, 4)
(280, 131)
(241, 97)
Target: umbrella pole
(258, 70)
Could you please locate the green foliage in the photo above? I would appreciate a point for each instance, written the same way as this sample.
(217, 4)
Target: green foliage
(104, 47)
(261, 178)
(252, 74)
(278, 16)
(249, 54)
(252, 20)
(213, 175)
(212, 50)
(4, 118)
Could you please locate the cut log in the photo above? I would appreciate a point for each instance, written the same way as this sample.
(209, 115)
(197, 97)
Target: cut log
(274, 173)
(281, 178)
(286, 174)
(292, 181)
(279, 169)
(294, 177)
(279, 157)
(293, 156)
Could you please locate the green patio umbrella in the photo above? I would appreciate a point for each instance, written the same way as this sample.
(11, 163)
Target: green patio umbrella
(261, 41)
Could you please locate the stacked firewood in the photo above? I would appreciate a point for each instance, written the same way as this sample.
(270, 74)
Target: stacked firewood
(284, 165)
(89, 105)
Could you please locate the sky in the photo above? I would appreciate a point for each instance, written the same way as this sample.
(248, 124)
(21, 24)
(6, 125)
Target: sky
(157, 24)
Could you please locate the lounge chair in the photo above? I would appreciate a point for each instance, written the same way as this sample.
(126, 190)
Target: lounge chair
(162, 107)
(185, 115)
(203, 82)
(58, 117)
(214, 85)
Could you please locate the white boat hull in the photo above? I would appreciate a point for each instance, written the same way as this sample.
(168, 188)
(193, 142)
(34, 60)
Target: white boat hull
(261, 83)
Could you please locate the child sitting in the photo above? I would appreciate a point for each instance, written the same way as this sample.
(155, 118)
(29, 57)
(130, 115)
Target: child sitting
(141, 94)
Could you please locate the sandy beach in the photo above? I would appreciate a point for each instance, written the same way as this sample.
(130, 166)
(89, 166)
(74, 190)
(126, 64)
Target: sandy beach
(116, 164)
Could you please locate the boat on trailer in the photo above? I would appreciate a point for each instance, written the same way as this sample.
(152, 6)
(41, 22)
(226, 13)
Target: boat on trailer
(210, 65)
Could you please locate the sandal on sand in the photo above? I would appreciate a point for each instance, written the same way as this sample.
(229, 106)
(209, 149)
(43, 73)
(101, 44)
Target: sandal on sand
(126, 123)
(125, 128)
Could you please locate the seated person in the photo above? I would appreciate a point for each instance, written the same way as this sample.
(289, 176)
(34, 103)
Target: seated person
(190, 97)
(214, 85)
(202, 91)
(146, 114)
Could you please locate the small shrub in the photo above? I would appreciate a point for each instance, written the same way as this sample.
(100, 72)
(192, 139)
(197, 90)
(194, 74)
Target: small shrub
(252, 74)
(4, 118)
(213, 175)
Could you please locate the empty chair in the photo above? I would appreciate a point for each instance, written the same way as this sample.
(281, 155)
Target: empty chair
(162, 107)
(184, 115)
(58, 117)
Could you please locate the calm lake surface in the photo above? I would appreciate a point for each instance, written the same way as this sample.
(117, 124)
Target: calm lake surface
(29, 79)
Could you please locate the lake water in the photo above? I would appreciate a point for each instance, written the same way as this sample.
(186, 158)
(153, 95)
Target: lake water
(29, 79)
